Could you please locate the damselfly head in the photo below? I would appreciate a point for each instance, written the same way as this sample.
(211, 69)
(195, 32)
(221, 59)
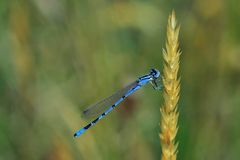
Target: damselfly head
(157, 81)
(155, 73)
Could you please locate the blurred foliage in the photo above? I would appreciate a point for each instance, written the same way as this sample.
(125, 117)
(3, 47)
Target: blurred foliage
(58, 56)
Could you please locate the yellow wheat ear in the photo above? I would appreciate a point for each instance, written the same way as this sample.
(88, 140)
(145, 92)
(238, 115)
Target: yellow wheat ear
(171, 83)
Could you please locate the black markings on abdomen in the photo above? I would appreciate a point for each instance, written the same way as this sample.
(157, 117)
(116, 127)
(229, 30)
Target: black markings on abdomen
(95, 120)
(89, 125)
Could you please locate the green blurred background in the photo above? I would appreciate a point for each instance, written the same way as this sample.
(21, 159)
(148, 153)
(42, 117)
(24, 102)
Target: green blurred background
(58, 56)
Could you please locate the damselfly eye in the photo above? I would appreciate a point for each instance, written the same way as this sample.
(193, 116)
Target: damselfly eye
(155, 73)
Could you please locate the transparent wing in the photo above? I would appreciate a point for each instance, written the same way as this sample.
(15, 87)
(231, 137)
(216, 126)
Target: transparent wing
(104, 104)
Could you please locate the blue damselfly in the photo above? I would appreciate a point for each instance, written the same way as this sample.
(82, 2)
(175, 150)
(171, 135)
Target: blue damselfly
(103, 107)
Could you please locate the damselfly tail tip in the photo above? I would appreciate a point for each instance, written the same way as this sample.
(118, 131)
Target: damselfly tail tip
(75, 135)
(79, 132)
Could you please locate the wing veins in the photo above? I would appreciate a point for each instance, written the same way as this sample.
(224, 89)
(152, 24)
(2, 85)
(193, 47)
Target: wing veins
(105, 103)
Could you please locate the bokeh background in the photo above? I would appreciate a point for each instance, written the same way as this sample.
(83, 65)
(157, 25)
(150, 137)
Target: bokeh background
(58, 56)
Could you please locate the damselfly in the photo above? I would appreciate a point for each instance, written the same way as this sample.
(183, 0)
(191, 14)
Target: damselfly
(106, 105)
